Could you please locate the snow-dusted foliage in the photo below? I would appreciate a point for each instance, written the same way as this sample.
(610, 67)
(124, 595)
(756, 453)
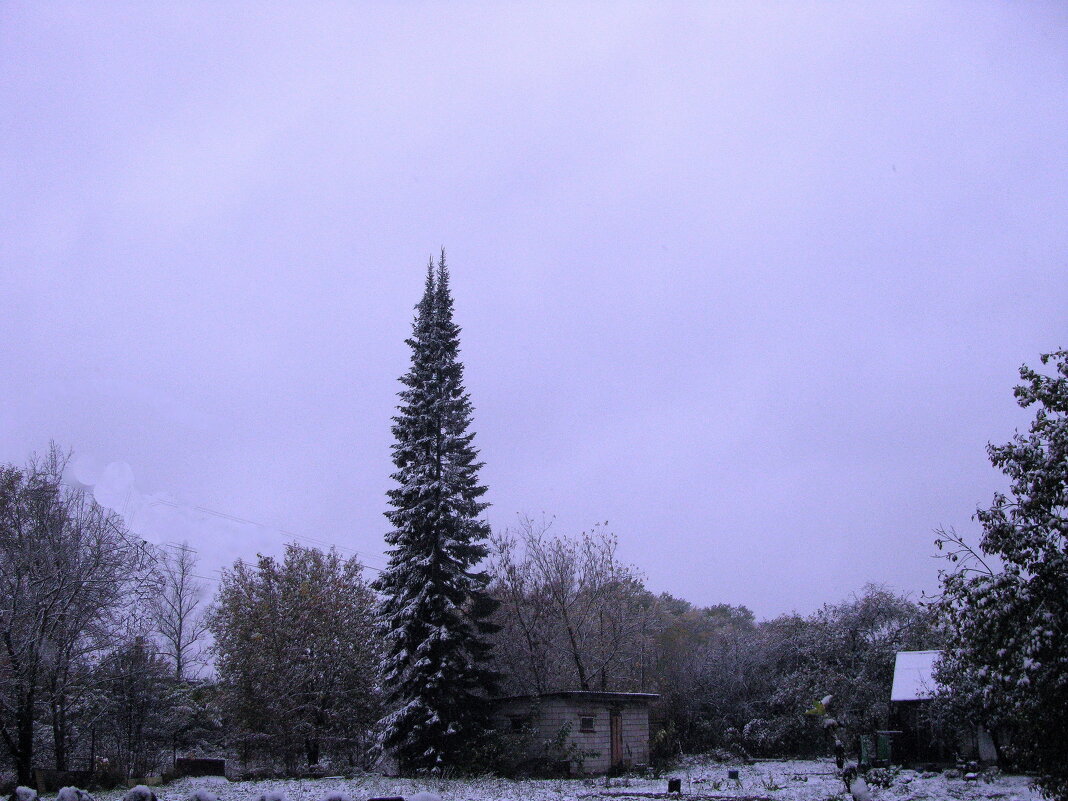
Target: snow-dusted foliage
(142, 707)
(139, 793)
(1009, 615)
(203, 795)
(73, 794)
(274, 795)
(434, 608)
(296, 657)
(24, 794)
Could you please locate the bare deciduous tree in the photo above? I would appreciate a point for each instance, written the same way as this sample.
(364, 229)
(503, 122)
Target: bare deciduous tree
(572, 613)
(69, 570)
(175, 613)
(525, 637)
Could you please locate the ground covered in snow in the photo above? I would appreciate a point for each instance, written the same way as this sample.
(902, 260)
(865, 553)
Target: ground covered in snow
(767, 781)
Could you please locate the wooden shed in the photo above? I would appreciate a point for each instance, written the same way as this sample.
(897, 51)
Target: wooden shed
(611, 730)
(917, 739)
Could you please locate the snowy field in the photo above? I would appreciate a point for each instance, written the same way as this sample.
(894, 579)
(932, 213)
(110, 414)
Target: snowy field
(770, 781)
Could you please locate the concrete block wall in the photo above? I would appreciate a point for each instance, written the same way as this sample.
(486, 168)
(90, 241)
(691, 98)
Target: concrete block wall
(636, 735)
(597, 743)
(556, 712)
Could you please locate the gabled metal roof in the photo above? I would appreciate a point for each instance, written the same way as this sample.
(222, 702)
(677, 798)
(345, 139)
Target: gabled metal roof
(914, 676)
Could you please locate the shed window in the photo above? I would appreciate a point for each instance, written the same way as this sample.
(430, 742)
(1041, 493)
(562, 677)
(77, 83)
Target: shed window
(586, 723)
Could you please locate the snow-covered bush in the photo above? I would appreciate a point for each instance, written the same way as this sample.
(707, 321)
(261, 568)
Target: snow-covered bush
(139, 793)
(73, 794)
(882, 777)
(765, 736)
(733, 754)
(24, 794)
(274, 795)
(991, 773)
(203, 795)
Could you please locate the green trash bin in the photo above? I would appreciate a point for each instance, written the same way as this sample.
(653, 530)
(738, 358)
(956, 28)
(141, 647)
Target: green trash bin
(882, 749)
(885, 747)
(867, 750)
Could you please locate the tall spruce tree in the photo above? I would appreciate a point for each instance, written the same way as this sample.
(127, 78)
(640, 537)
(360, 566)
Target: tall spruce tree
(434, 615)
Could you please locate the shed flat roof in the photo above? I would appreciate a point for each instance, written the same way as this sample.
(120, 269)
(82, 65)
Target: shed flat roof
(914, 676)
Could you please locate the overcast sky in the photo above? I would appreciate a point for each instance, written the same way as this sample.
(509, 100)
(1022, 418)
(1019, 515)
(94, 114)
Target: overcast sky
(749, 281)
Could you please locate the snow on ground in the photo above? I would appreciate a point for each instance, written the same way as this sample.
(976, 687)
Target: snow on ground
(768, 781)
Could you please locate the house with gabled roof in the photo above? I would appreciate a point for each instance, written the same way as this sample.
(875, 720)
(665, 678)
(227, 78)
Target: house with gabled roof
(916, 737)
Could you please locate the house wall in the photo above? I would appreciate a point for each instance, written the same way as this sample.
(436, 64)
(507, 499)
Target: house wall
(553, 713)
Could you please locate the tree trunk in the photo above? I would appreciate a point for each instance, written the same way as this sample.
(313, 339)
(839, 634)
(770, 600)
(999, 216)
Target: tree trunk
(24, 727)
(1003, 762)
(576, 656)
(59, 734)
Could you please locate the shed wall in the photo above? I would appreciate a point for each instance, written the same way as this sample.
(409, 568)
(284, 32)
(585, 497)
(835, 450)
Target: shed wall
(556, 712)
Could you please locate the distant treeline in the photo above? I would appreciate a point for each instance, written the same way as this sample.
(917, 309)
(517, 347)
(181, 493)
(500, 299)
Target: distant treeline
(107, 667)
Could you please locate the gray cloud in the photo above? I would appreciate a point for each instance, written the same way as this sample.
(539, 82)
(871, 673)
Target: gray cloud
(751, 282)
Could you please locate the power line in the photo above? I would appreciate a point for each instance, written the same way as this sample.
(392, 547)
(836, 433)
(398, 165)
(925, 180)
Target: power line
(179, 547)
(246, 521)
